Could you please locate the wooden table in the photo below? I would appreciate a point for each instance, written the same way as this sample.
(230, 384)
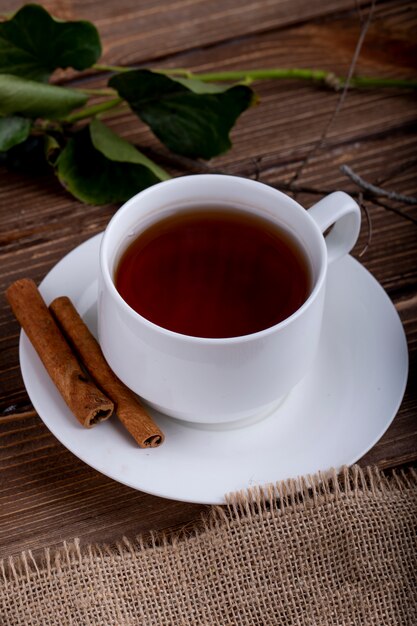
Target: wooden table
(46, 494)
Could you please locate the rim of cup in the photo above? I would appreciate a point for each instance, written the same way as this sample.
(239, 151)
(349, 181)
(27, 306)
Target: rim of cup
(126, 207)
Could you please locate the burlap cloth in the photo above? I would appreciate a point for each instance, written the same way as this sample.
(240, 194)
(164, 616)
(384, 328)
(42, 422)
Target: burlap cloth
(338, 550)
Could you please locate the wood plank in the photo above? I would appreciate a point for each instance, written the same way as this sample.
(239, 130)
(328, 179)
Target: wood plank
(392, 253)
(393, 238)
(37, 235)
(48, 495)
(135, 33)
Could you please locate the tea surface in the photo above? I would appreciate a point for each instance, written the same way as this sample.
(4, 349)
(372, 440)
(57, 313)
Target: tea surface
(214, 273)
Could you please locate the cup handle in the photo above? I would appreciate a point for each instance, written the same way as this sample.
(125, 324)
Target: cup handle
(342, 212)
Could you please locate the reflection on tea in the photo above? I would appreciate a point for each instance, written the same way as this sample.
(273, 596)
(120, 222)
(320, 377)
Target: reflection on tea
(212, 272)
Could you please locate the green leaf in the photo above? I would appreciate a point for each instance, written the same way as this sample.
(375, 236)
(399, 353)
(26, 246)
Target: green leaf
(27, 97)
(33, 44)
(28, 157)
(117, 149)
(13, 130)
(190, 117)
(98, 167)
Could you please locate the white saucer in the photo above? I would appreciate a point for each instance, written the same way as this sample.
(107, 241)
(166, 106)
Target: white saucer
(335, 415)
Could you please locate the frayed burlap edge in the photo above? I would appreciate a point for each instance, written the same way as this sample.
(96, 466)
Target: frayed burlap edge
(283, 497)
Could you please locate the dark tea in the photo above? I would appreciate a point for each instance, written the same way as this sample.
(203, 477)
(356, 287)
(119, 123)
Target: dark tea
(214, 273)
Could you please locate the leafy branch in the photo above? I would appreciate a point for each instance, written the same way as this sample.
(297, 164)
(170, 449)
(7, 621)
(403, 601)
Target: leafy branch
(249, 76)
(58, 127)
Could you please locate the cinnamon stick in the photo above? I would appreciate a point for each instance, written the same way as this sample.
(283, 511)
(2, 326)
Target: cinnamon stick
(89, 405)
(127, 407)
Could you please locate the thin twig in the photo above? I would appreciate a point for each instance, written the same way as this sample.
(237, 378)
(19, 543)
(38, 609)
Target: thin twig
(257, 167)
(282, 185)
(93, 110)
(359, 11)
(373, 189)
(320, 142)
(124, 107)
(97, 92)
(378, 202)
(248, 76)
(398, 169)
(323, 77)
(369, 223)
(201, 167)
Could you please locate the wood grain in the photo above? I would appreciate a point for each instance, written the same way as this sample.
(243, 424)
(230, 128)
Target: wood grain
(134, 32)
(46, 494)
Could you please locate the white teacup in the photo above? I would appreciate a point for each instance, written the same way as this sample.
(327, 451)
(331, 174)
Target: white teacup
(215, 381)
